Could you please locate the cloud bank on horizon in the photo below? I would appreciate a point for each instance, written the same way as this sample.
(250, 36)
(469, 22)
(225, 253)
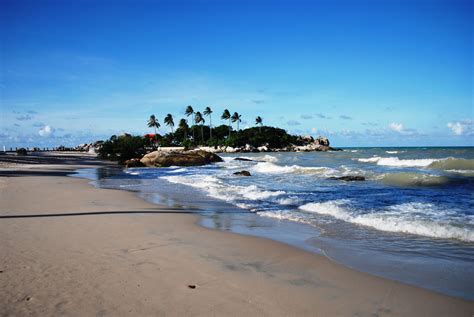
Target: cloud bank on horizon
(363, 73)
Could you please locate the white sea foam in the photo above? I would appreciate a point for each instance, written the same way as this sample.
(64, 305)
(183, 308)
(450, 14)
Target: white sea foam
(269, 158)
(216, 188)
(288, 201)
(285, 215)
(391, 152)
(270, 168)
(178, 170)
(448, 163)
(396, 162)
(413, 218)
(132, 171)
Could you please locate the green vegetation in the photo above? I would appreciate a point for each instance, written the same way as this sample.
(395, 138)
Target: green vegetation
(125, 147)
(21, 151)
(169, 121)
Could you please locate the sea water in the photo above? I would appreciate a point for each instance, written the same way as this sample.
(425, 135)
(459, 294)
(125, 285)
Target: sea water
(411, 220)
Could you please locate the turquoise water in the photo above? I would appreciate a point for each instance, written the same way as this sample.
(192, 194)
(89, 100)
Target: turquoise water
(412, 219)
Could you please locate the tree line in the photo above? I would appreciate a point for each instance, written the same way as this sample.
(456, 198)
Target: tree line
(197, 118)
(126, 146)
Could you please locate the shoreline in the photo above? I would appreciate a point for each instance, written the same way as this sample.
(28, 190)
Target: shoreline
(157, 256)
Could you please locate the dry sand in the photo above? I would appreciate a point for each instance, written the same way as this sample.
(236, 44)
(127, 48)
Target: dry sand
(135, 264)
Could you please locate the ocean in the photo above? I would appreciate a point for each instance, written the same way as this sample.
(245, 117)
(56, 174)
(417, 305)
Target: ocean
(411, 220)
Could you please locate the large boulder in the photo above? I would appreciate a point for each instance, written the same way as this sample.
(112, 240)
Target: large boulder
(322, 141)
(179, 158)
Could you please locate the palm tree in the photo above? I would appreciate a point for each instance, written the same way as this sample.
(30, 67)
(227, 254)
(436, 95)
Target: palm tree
(236, 118)
(259, 121)
(183, 124)
(169, 121)
(199, 119)
(190, 112)
(226, 116)
(207, 112)
(153, 123)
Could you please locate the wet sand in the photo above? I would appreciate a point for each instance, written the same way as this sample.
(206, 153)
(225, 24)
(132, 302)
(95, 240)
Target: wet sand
(70, 249)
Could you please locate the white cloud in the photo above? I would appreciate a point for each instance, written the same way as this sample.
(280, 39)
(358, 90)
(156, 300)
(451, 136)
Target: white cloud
(397, 127)
(461, 127)
(46, 131)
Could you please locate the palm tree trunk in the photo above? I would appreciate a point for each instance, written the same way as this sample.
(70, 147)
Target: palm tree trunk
(156, 137)
(202, 133)
(229, 127)
(210, 127)
(192, 126)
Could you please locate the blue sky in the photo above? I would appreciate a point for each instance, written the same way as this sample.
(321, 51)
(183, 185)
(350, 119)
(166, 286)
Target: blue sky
(363, 73)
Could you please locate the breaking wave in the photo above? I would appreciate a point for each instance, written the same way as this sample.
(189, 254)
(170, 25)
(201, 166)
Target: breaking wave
(412, 218)
(395, 161)
(417, 179)
(216, 188)
(270, 168)
(453, 164)
(441, 164)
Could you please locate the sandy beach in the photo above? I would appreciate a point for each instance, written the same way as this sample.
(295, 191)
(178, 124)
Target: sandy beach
(69, 249)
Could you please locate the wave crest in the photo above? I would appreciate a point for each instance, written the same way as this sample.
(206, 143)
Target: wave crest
(215, 188)
(453, 164)
(417, 179)
(411, 218)
(396, 162)
(449, 163)
(270, 168)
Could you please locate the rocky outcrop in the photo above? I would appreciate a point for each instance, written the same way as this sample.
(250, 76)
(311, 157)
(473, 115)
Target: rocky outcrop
(307, 144)
(243, 173)
(91, 148)
(179, 158)
(349, 178)
(322, 141)
(321, 144)
(314, 147)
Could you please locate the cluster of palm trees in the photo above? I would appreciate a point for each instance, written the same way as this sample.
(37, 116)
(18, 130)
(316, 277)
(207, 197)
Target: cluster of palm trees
(198, 119)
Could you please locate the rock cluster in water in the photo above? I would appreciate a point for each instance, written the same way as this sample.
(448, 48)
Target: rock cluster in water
(243, 173)
(320, 144)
